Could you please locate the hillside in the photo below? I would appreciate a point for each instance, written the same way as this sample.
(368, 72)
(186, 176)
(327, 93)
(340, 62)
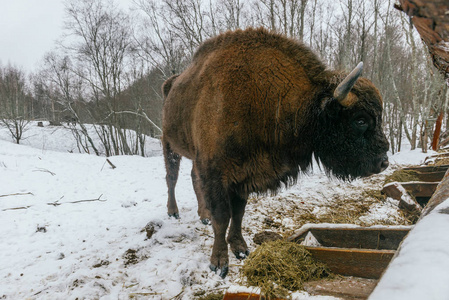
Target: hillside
(73, 227)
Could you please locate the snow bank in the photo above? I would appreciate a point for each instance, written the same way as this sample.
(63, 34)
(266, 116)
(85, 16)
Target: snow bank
(410, 157)
(420, 270)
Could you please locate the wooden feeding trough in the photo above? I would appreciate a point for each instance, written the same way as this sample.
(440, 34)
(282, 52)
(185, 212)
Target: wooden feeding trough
(351, 250)
(440, 159)
(421, 189)
(429, 173)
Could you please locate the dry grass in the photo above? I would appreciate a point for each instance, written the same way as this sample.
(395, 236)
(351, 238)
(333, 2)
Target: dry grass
(340, 209)
(402, 176)
(211, 296)
(442, 160)
(344, 210)
(280, 266)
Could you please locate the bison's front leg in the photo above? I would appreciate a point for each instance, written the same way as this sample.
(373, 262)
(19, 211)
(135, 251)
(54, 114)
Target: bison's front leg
(235, 238)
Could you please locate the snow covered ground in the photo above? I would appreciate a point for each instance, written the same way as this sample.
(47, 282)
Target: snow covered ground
(71, 227)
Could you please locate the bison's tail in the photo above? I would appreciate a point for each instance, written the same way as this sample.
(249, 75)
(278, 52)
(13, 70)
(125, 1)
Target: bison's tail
(166, 86)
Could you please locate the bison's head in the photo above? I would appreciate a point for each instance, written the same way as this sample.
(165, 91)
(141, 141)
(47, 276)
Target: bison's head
(350, 142)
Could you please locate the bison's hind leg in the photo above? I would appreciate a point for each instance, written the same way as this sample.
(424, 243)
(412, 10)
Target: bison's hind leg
(235, 238)
(203, 211)
(172, 162)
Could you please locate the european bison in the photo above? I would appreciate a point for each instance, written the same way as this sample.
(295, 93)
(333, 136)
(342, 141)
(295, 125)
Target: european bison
(250, 111)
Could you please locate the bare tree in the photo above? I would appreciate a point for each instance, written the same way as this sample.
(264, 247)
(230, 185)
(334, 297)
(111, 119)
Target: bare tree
(120, 70)
(63, 88)
(265, 13)
(103, 36)
(188, 21)
(14, 109)
(232, 13)
(159, 45)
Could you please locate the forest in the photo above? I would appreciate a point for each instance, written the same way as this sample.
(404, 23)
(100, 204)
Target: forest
(108, 67)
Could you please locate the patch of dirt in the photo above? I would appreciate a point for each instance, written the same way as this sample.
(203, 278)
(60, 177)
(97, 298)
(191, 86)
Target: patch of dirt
(101, 263)
(266, 236)
(132, 257)
(151, 228)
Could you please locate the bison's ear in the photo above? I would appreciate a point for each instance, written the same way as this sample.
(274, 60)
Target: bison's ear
(331, 108)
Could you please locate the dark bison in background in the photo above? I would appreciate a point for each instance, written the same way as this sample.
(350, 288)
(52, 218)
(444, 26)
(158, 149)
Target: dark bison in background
(250, 111)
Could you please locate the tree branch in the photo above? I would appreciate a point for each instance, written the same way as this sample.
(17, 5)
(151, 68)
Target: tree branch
(56, 203)
(16, 194)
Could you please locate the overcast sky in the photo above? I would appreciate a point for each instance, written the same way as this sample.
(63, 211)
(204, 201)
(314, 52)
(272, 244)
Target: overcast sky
(29, 29)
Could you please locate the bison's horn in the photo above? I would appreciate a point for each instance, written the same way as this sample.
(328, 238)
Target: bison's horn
(346, 85)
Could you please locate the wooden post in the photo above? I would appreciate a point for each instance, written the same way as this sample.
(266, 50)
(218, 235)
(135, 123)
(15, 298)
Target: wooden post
(436, 134)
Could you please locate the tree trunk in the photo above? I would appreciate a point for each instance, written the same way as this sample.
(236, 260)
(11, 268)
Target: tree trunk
(431, 20)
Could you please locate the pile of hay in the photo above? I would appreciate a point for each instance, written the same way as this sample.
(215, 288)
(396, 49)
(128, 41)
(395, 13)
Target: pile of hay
(441, 161)
(402, 176)
(278, 267)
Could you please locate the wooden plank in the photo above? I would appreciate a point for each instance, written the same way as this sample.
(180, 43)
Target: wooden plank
(441, 194)
(396, 191)
(360, 237)
(442, 168)
(244, 296)
(420, 188)
(363, 238)
(354, 288)
(354, 262)
(414, 188)
(430, 176)
(432, 157)
(354, 251)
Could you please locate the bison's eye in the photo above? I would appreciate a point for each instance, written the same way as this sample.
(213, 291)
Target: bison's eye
(361, 124)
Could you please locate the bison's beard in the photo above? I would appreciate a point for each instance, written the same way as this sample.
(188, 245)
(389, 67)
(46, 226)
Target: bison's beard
(349, 169)
(350, 158)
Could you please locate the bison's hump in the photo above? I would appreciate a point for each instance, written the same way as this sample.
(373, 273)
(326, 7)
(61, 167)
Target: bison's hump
(257, 38)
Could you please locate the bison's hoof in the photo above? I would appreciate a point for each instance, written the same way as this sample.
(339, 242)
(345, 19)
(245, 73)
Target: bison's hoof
(223, 271)
(175, 215)
(241, 255)
(205, 221)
